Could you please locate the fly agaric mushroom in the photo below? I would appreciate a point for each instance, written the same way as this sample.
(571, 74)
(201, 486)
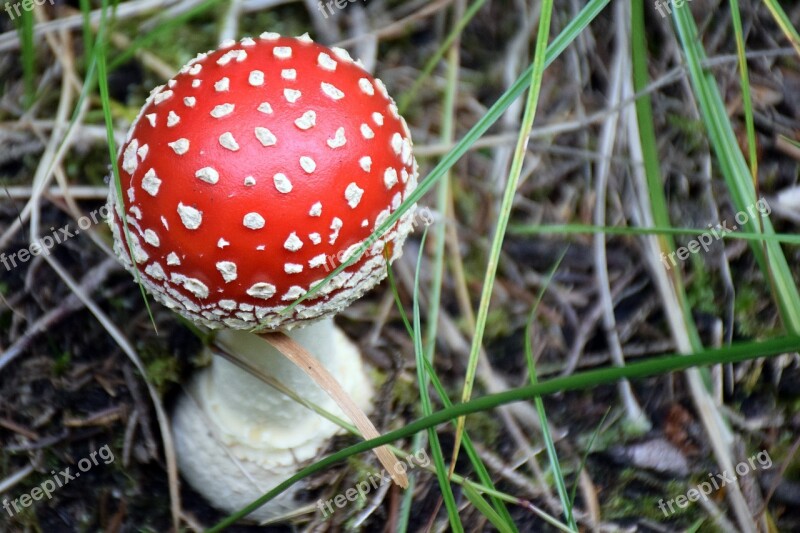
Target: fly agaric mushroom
(243, 180)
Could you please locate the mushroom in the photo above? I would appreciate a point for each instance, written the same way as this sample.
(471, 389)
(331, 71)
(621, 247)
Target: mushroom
(245, 180)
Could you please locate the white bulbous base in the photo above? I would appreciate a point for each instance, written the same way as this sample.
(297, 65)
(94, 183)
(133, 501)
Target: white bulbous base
(236, 437)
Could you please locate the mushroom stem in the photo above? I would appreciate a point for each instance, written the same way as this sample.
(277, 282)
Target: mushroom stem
(295, 352)
(237, 437)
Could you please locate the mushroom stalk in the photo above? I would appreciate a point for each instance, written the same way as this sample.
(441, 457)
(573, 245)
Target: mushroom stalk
(252, 434)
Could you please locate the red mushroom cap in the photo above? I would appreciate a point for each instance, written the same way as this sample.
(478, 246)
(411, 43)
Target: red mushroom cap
(254, 173)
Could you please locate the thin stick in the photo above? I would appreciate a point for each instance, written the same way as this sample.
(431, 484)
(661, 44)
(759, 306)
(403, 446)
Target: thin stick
(320, 375)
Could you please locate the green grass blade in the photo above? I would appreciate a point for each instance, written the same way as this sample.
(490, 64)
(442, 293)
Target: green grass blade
(427, 409)
(547, 437)
(537, 73)
(734, 168)
(747, 102)
(785, 24)
(28, 56)
(483, 506)
(582, 380)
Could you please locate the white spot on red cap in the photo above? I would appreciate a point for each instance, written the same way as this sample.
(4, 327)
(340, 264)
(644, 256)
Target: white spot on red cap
(155, 271)
(151, 182)
(326, 62)
(317, 261)
(336, 226)
(222, 243)
(228, 270)
(342, 54)
(151, 118)
(173, 259)
(292, 268)
(331, 91)
(353, 194)
(397, 143)
(265, 137)
(316, 209)
(265, 108)
(270, 36)
(181, 146)
(208, 174)
(249, 181)
(253, 221)
(305, 38)
(282, 52)
(142, 151)
(377, 118)
(228, 305)
(229, 56)
(308, 164)
(293, 242)
(365, 163)
(367, 132)
(262, 290)
(172, 119)
(191, 217)
(224, 84)
(289, 74)
(282, 183)
(195, 69)
(227, 141)
(293, 293)
(162, 97)
(195, 286)
(291, 95)
(196, 83)
(338, 139)
(366, 87)
(129, 161)
(151, 238)
(164, 223)
(315, 237)
(247, 41)
(381, 87)
(390, 177)
(256, 78)
(222, 110)
(307, 121)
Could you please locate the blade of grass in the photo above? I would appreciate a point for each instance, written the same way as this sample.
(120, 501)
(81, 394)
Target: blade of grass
(785, 24)
(477, 464)
(427, 409)
(483, 506)
(537, 73)
(28, 56)
(552, 454)
(581, 229)
(747, 102)
(734, 168)
(591, 378)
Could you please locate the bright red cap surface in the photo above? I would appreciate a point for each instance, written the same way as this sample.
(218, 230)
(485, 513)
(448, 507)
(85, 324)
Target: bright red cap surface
(250, 176)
